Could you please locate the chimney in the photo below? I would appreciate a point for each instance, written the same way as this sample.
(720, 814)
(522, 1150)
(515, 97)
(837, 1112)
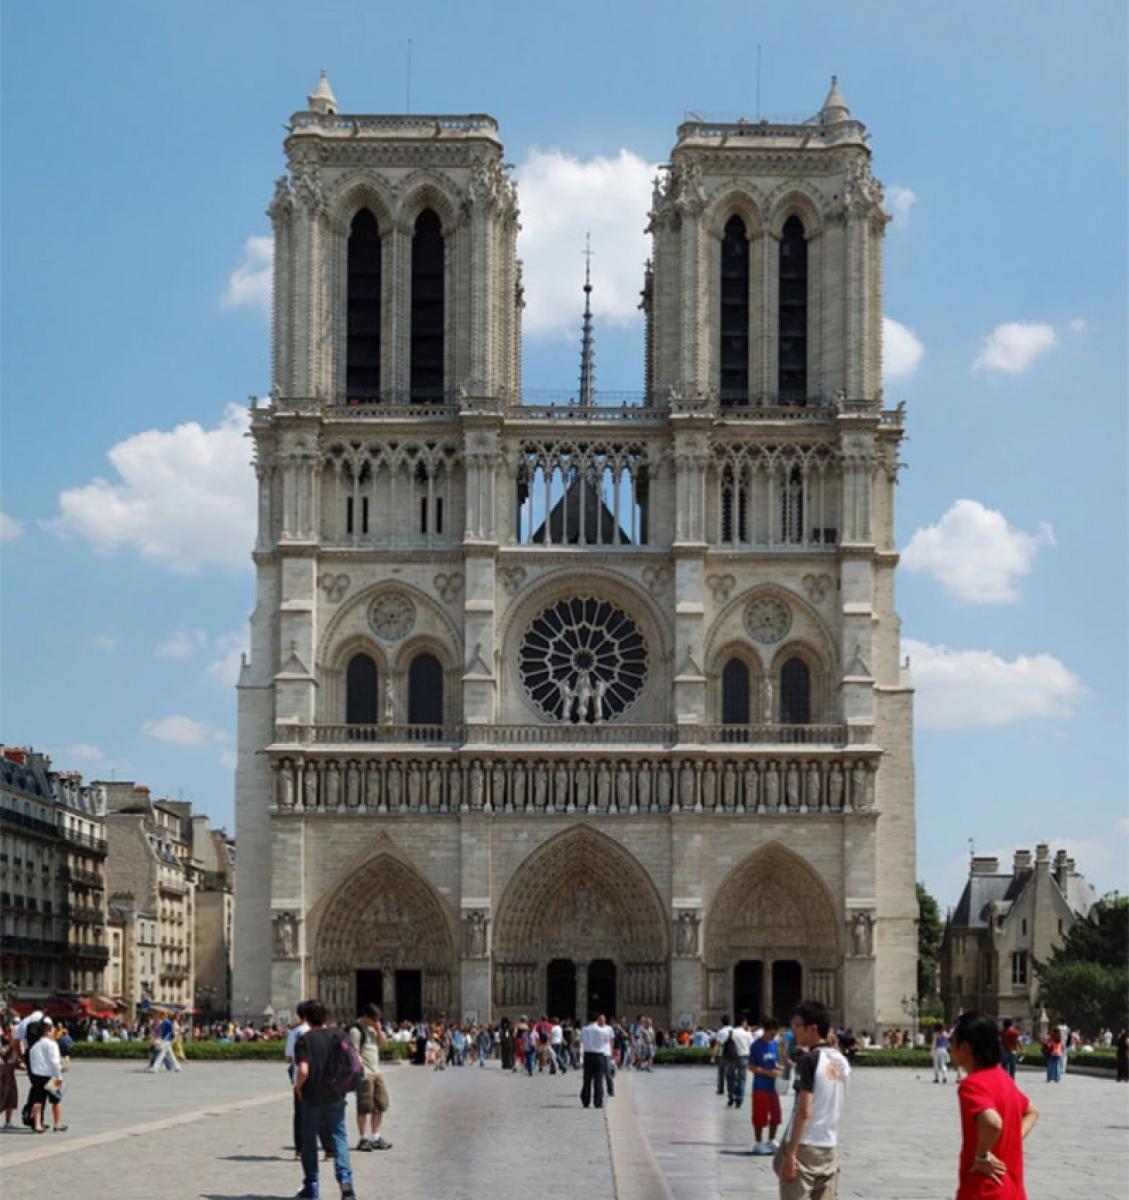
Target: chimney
(1042, 855)
(1060, 869)
(983, 865)
(1022, 862)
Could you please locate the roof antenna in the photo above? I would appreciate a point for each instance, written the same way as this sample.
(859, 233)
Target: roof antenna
(758, 82)
(587, 368)
(408, 90)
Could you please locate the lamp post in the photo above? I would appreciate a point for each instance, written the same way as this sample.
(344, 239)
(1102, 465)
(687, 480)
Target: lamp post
(910, 1006)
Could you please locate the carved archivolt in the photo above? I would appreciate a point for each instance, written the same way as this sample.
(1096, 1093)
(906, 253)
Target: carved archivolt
(581, 896)
(771, 903)
(384, 914)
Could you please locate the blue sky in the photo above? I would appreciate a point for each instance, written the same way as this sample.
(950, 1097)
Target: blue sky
(140, 142)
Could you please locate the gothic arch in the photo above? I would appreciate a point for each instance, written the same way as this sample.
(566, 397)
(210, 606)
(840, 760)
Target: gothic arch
(773, 904)
(331, 695)
(818, 673)
(735, 199)
(744, 651)
(428, 189)
(581, 895)
(358, 190)
(824, 651)
(795, 198)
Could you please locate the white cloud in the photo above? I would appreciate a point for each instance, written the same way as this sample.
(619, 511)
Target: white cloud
(249, 285)
(1078, 325)
(183, 731)
(104, 642)
(185, 497)
(901, 350)
(229, 759)
(229, 648)
(966, 689)
(1123, 825)
(182, 643)
(562, 199)
(899, 200)
(85, 751)
(975, 554)
(1014, 346)
(10, 528)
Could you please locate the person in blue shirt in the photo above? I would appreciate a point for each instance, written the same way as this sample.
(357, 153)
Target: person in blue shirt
(765, 1068)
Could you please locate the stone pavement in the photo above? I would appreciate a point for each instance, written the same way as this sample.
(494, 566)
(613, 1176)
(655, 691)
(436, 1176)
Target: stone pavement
(219, 1131)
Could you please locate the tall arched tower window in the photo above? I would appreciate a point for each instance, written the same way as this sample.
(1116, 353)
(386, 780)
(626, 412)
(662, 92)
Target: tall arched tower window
(362, 344)
(360, 691)
(792, 371)
(425, 691)
(795, 693)
(734, 381)
(426, 379)
(735, 693)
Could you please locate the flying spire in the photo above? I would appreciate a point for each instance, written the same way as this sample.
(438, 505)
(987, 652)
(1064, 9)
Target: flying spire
(322, 99)
(587, 360)
(834, 107)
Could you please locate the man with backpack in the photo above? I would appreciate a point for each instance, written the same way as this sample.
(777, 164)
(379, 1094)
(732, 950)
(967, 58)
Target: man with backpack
(367, 1037)
(328, 1069)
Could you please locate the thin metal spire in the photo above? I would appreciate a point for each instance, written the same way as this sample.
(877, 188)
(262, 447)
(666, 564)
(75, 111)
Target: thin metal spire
(587, 357)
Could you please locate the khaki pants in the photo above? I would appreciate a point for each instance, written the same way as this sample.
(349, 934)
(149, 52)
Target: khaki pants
(817, 1175)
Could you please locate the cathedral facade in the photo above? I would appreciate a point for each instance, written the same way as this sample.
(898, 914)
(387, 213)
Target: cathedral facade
(557, 704)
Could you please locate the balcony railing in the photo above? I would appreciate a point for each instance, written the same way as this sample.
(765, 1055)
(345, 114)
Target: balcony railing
(77, 875)
(32, 825)
(44, 947)
(87, 951)
(85, 840)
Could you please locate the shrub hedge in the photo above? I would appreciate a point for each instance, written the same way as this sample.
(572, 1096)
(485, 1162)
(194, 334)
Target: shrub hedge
(689, 1056)
(211, 1051)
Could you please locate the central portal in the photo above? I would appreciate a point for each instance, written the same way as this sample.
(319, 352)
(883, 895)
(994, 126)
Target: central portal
(560, 991)
(601, 988)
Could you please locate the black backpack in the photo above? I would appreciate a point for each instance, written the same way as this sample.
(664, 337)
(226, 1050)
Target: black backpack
(33, 1033)
(729, 1048)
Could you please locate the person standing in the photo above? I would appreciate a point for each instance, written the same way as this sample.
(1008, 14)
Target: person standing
(367, 1036)
(736, 1054)
(1053, 1050)
(596, 1044)
(45, 1070)
(1121, 1056)
(556, 1045)
(1010, 1039)
(807, 1160)
(718, 1056)
(323, 1106)
(939, 1047)
(506, 1045)
(10, 1054)
(765, 1068)
(995, 1116)
(300, 1030)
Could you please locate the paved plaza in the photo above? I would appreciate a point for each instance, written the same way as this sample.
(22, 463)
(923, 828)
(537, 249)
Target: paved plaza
(219, 1131)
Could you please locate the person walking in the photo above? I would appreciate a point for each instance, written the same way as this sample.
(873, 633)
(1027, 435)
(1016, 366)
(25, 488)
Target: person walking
(718, 1056)
(736, 1055)
(596, 1045)
(1121, 1056)
(506, 1045)
(367, 1036)
(45, 1070)
(995, 1116)
(484, 1041)
(1010, 1041)
(765, 1068)
(323, 1104)
(939, 1047)
(163, 1038)
(1053, 1053)
(557, 1046)
(807, 1161)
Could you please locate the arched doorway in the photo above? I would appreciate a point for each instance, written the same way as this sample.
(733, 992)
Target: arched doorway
(385, 931)
(581, 902)
(772, 930)
(560, 989)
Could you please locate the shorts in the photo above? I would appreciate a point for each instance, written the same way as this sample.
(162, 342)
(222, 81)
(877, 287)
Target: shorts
(372, 1095)
(766, 1108)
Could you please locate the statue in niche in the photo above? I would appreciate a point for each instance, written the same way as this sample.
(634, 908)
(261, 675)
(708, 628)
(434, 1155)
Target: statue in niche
(285, 785)
(603, 787)
(477, 784)
(709, 787)
(766, 692)
(751, 794)
(643, 787)
(352, 785)
(475, 934)
(434, 798)
(771, 788)
(310, 785)
(686, 786)
(498, 786)
(540, 787)
(372, 786)
(582, 799)
(517, 786)
(454, 788)
(332, 786)
(415, 787)
(862, 933)
(285, 935)
(792, 787)
(389, 703)
(686, 933)
(860, 801)
(598, 690)
(395, 787)
(623, 788)
(835, 788)
(567, 696)
(560, 797)
(729, 788)
(716, 987)
(813, 781)
(664, 787)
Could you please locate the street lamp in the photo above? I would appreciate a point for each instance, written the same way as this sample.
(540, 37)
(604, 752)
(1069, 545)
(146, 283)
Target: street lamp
(910, 1005)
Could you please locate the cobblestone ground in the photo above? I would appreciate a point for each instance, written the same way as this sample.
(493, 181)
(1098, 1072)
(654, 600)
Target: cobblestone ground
(221, 1131)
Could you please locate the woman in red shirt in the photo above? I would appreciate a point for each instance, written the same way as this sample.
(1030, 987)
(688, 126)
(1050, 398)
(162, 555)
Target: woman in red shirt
(995, 1116)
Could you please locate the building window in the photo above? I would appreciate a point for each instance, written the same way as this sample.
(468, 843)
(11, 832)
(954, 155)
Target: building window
(792, 367)
(1019, 968)
(1023, 926)
(362, 347)
(735, 693)
(360, 691)
(425, 691)
(427, 309)
(795, 693)
(734, 379)
(352, 525)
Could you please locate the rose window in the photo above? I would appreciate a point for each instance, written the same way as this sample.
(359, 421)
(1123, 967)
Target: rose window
(583, 659)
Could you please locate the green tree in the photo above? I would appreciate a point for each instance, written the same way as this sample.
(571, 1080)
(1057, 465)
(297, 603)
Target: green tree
(929, 930)
(1086, 979)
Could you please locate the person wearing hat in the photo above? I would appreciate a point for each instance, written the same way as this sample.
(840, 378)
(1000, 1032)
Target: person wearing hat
(45, 1070)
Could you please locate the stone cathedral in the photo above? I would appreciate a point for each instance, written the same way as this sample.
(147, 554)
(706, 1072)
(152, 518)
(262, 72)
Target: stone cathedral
(568, 703)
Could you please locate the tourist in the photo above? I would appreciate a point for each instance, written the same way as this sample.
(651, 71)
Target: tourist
(807, 1160)
(556, 1045)
(506, 1045)
(10, 1054)
(646, 1055)
(45, 1071)
(1121, 1055)
(1064, 1038)
(939, 1048)
(1053, 1053)
(300, 1028)
(323, 1105)
(720, 1038)
(33, 1022)
(736, 1055)
(161, 1051)
(596, 1045)
(1009, 1044)
(367, 1036)
(765, 1068)
(995, 1115)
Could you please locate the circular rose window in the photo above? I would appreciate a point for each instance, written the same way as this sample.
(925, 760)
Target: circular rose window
(583, 659)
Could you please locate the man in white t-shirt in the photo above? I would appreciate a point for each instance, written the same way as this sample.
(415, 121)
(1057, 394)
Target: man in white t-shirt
(735, 1052)
(556, 1045)
(596, 1042)
(808, 1160)
(719, 1040)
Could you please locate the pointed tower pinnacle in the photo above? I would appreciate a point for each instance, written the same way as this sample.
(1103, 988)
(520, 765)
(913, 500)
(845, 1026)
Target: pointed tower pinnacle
(322, 99)
(834, 107)
(587, 358)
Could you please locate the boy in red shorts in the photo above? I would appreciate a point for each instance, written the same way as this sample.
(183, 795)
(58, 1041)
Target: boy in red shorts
(765, 1068)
